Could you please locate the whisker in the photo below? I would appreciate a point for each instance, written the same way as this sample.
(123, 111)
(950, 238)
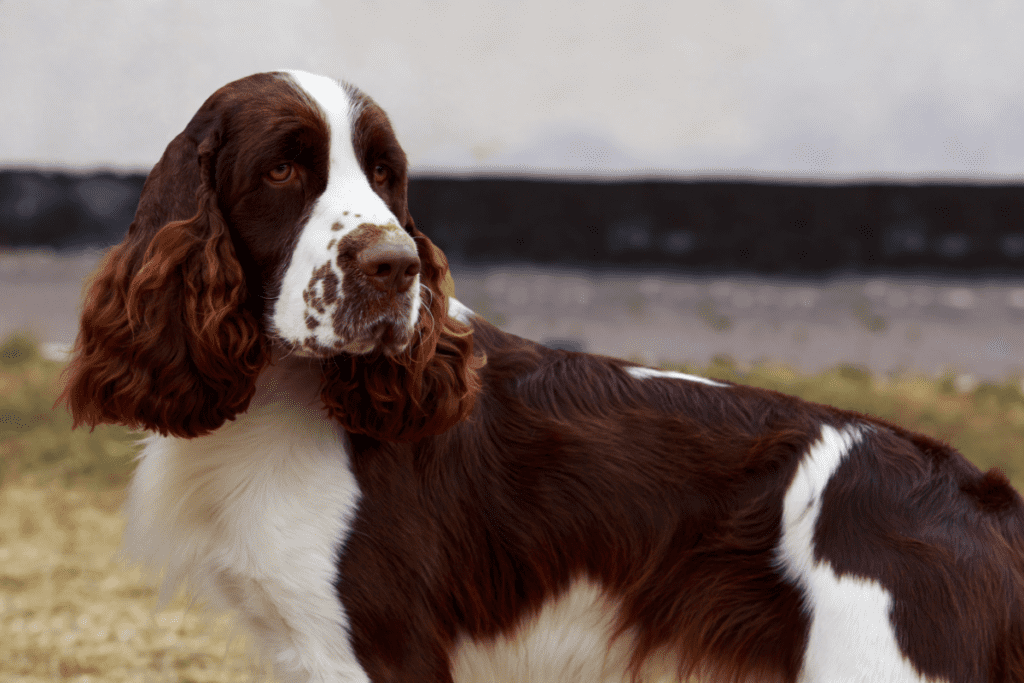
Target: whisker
(428, 300)
(430, 293)
(426, 310)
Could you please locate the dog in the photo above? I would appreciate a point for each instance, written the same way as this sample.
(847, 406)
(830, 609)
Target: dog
(385, 487)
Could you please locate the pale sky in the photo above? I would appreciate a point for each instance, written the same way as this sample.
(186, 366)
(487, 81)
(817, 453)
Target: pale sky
(833, 89)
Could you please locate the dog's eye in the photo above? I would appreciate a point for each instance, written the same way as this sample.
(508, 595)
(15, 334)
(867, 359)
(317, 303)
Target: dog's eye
(281, 173)
(381, 174)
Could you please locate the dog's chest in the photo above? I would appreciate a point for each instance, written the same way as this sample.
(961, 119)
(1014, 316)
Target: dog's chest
(253, 517)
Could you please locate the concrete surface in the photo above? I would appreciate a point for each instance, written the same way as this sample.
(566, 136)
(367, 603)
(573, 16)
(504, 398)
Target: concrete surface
(885, 324)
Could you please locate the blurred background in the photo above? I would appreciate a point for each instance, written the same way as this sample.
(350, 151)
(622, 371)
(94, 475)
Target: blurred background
(787, 180)
(823, 198)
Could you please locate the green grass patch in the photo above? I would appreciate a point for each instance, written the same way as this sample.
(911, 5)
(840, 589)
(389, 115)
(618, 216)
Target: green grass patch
(37, 444)
(984, 421)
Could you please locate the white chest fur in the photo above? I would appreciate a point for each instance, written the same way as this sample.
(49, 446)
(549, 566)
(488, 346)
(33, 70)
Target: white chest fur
(253, 517)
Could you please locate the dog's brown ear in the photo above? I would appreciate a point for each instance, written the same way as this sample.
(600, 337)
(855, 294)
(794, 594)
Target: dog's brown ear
(165, 343)
(447, 284)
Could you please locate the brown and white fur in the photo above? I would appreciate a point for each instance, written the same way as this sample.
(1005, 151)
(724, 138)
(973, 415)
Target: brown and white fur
(387, 488)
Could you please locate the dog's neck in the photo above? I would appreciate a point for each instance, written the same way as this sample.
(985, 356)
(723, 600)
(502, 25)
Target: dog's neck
(288, 381)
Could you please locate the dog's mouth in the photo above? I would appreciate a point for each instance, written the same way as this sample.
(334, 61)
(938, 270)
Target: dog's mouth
(350, 316)
(387, 336)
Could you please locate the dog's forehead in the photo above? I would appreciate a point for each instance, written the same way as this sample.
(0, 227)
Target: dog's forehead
(339, 102)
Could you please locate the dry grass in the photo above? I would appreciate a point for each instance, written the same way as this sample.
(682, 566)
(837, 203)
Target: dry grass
(70, 611)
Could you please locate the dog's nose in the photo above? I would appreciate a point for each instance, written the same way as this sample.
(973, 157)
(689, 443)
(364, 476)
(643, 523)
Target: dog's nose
(389, 267)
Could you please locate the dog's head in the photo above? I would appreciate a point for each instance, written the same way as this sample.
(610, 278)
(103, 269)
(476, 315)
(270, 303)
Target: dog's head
(276, 223)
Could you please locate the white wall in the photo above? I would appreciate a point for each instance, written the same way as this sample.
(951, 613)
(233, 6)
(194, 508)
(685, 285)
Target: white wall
(905, 88)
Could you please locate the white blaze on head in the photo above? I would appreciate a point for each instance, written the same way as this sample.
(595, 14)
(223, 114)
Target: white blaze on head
(310, 301)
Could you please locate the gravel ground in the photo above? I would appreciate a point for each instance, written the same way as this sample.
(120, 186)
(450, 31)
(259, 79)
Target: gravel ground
(886, 324)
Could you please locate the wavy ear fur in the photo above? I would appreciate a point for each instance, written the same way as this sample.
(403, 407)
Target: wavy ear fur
(165, 342)
(424, 391)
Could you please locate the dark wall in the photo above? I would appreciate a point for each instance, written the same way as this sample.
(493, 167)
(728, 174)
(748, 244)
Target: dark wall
(66, 211)
(729, 226)
(697, 226)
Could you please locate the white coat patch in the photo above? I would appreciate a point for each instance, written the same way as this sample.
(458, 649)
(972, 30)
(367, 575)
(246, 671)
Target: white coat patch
(459, 310)
(851, 637)
(571, 640)
(252, 517)
(639, 372)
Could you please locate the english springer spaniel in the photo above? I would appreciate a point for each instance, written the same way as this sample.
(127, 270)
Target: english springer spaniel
(385, 487)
